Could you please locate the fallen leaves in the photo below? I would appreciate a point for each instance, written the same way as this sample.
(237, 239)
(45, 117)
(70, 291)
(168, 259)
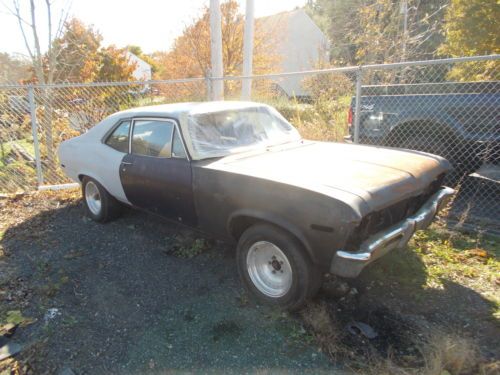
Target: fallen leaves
(481, 253)
(8, 329)
(17, 318)
(15, 209)
(15, 292)
(475, 254)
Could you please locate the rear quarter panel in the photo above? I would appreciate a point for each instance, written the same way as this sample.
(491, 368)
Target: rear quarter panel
(86, 155)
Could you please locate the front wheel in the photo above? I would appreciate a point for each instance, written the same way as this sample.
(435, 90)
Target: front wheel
(275, 268)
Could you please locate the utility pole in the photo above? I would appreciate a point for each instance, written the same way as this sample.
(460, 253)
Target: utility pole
(246, 87)
(216, 50)
(404, 12)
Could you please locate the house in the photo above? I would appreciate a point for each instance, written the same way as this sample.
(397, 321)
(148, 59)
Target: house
(300, 45)
(142, 70)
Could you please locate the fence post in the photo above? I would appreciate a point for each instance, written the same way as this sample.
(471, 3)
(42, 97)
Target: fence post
(34, 133)
(357, 109)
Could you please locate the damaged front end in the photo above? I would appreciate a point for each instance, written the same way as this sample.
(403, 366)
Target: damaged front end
(365, 246)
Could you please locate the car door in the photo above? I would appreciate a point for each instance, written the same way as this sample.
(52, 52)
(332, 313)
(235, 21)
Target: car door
(156, 173)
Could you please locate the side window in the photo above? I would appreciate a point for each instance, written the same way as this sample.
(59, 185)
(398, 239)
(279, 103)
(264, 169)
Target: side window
(152, 138)
(177, 147)
(119, 138)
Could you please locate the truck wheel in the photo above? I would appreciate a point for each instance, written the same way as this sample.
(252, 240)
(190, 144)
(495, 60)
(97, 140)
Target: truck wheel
(100, 206)
(275, 268)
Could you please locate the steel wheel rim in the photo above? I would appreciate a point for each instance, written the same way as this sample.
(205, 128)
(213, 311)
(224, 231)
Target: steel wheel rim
(269, 269)
(93, 198)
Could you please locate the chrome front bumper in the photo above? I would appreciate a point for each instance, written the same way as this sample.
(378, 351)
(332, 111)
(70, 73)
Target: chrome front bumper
(350, 264)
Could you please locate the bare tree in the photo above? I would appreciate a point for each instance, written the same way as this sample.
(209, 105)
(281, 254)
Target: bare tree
(44, 62)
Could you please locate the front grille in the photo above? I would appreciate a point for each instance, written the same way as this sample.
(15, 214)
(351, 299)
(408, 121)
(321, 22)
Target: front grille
(383, 219)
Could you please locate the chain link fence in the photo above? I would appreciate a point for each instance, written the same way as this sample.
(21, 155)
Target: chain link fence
(451, 109)
(448, 107)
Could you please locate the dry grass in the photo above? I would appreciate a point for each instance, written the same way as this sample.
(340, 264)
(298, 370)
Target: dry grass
(324, 120)
(16, 208)
(316, 315)
(325, 331)
(451, 353)
(437, 257)
(439, 353)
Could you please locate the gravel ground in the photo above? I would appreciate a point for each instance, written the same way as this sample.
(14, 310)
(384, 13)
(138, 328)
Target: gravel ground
(142, 295)
(126, 304)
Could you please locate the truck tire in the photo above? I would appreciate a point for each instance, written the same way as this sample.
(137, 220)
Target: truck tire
(275, 268)
(99, 205)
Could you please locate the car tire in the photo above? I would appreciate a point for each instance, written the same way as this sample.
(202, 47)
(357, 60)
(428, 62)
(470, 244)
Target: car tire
(99, 205)
(275, 268)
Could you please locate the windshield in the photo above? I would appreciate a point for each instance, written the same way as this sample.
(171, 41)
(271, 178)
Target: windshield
(221, 133)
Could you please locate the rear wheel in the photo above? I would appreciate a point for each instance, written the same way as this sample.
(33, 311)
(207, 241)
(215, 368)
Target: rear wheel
(275, 268)
(100, 206)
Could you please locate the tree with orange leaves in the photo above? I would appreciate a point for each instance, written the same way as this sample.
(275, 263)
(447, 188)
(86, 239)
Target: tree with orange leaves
(190, 54)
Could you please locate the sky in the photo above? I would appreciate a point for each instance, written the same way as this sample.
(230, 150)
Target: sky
(151, 24)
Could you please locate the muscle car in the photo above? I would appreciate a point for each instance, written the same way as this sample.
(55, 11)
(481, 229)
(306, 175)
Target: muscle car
(297, 209)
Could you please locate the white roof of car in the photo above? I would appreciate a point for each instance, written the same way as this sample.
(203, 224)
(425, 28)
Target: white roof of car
(176, 109)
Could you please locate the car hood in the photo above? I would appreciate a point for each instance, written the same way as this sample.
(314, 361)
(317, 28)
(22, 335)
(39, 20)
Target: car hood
(374, 177)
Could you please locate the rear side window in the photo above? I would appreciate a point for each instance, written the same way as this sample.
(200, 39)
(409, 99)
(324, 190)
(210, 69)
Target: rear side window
(177, 147)
(119, 138)
(152, 138)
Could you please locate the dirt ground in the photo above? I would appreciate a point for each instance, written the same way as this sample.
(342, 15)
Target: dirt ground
(142, 295)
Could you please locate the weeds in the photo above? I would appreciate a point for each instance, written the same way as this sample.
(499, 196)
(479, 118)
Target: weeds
(187, 247)
(441, 269)
(439, 255)
(324, 118)
(52, 287)
(17, 318)
(449, 255)
(451, 353)
(292, 329)
(435, 353)
(325, 331)
(226, 329)
(242, 300)
(331, 96)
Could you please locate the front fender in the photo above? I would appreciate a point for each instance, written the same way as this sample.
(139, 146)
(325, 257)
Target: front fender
(272, 219)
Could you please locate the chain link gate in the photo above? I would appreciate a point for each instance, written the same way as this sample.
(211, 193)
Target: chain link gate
(449, 107)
